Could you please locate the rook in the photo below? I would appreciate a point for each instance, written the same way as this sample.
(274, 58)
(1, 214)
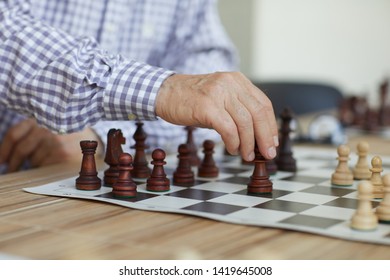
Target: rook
(88, 179)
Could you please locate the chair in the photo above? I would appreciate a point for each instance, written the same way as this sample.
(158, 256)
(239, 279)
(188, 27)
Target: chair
(315, 107)
(301, 97)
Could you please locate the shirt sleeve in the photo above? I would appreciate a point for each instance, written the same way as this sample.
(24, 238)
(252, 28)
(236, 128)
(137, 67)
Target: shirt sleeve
(67, 83)
(199, 44)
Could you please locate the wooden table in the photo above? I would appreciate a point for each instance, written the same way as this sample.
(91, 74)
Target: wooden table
(42, 227)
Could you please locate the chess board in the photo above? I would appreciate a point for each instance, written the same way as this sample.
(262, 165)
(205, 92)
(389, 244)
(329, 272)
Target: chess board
(303, 201)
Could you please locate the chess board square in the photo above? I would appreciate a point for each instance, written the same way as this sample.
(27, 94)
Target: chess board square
(344, 229)
(308, 198)
(333, 191)
(221, 187)
(165, 201)
(240, 200)
(71, 189)
(290, 185)
(142, 188)
(236, 180)
(285, 206)
(310, 163)
(348, 203)
(330, 212)
(195, 183)
(275, 193)
(198, 194)
(214, 208)
(310, 221)
(305, 179)
(258, 215)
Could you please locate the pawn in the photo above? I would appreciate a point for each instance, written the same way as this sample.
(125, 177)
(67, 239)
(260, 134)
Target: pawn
(285, 160)
(364, 218)
(124, 186)
(383, 210)
(194, 159)
(88, 179)
(158, 181)
(376, 179)
(362, 169)
(342, 175)
(259, 181)
(208, 168)
(184, 176)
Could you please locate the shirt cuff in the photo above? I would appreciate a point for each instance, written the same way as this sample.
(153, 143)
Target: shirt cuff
(132, 92)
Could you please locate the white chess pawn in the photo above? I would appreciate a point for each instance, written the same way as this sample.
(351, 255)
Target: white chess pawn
(364, 217)
(362, 169)
(376, 178)
(343, 175)
(383, 210)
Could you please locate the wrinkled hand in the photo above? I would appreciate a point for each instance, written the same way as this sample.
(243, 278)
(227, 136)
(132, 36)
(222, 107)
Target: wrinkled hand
(227, 102)
(29, 141)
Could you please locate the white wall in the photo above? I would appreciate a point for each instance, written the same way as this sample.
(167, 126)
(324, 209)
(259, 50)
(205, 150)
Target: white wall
(344, 42)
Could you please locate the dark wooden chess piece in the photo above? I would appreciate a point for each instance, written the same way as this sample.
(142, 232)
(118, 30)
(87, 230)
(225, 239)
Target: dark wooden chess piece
(285, 160)
(114, 149)
(140, 165)
(259, 181)
(158, 181)
(208, 168)
(383, 113)
(271, 166)
(184, 176)
(194, 160)
(88, 179)
(125, 187)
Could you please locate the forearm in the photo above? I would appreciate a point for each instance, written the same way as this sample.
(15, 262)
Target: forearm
(67, 83)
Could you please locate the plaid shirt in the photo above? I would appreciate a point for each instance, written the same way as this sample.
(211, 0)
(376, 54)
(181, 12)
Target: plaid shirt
(72, 63)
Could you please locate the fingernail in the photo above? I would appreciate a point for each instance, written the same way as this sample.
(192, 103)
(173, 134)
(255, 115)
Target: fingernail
(251, 156)
(276, 140)
(271, 152)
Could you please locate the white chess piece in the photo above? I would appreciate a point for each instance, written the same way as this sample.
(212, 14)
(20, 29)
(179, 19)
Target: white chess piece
(362, 169)
(383, 210)
(376, 178)
(364, 217)
(343, 175)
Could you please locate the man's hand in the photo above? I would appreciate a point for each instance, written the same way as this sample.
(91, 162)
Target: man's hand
(29, 141)
(227, 102)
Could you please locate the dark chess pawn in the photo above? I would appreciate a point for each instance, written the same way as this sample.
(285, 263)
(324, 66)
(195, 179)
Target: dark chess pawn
(140, 165)
(158, 181)
(194, 159)
(259, 181)
(114, 149)
(125, 187)
(88, 179)
(184, 176)
(285, 160)
(208, 168)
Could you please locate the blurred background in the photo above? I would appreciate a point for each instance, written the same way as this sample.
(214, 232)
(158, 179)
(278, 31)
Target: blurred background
(341, 43)
(344, 42)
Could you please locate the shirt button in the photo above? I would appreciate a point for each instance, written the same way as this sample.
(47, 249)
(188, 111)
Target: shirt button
(131, 117)
(110, 27)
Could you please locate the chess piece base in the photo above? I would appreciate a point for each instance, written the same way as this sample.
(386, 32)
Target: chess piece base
(364, 223)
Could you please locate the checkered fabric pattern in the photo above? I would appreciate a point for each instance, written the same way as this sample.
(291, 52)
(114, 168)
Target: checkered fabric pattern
(72, 64)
